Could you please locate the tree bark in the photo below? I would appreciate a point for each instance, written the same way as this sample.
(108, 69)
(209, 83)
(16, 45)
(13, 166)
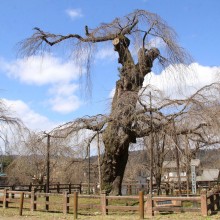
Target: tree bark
(119, 133)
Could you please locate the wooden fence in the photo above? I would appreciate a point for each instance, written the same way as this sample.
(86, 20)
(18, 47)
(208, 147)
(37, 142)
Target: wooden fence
(85, 188)
(58, 187)
(207, 203)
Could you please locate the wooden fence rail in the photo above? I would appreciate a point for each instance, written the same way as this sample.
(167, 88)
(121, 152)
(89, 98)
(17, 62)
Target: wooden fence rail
(58, 187)
(146, 205)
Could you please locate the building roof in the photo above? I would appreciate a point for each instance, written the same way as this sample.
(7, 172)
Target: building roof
(172, 163)
(209, 175)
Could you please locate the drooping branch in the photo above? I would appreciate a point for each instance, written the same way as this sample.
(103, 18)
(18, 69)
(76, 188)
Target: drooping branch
(6, 116)
(193, 115)
(95, 123)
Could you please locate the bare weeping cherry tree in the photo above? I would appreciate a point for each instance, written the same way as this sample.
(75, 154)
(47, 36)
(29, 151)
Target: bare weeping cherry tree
(181, 126)
(8, 123)
(12, 131)
(6, 115)
(120, 128)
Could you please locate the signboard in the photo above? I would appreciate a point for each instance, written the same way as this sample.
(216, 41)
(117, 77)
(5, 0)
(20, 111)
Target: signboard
(165, 202)
(193, 172)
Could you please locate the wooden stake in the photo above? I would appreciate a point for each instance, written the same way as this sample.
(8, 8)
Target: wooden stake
(21, 203)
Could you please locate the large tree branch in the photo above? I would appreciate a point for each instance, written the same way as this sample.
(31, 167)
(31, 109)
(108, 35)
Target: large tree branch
(48, 38)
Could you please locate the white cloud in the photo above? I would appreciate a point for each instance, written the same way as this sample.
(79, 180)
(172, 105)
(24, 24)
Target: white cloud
(30, 118)
(63, 89)
(51, 71)
(74, 13)
(106, 53)
(193, 78)
(65, 105)
(40, 70)
(111, 95)
(63, 100)
(174, 85)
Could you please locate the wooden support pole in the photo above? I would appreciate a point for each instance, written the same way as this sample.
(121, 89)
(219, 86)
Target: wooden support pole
(58, 187)
(33, 200)
(204, 209)
(149, 206)
(75, 205)
(80, 188)
(69, 188)
(151, 147)
(217, 198)
(48, 164)
(104, 203)
(5, 199)
(47, 199)
(141, 204)
(30, 186)
(65, 203)
(129, 189)
(30, 189)
(13, 189)
(212, 202)
(21, 203)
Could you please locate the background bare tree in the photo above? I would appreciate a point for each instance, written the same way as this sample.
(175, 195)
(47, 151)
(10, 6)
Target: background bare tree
(12, 132)
(183, 126)
(30, 164)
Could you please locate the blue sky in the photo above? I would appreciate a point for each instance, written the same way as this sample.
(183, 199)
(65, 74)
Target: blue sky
(45, 92)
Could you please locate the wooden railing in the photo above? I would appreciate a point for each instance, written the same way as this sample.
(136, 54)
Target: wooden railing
(92, 188)
(147, 205)
(58, 187)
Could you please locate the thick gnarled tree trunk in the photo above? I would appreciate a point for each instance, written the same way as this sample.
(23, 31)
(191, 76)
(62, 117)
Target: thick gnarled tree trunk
(119, 134)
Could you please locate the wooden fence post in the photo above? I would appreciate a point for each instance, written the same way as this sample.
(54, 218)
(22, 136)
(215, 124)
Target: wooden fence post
(141, 204)
(30, 189)
(13, 189)
(58, 187)
(217, 200)
(104, 203)
(80, 188)
(21, 203)
(5, 199)
(149, 206)
(69, 188)
(47, 199)
(33, 200)
(212, 201)
(204, 209)
(75, 205)
(65, 203)
(129, 189)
